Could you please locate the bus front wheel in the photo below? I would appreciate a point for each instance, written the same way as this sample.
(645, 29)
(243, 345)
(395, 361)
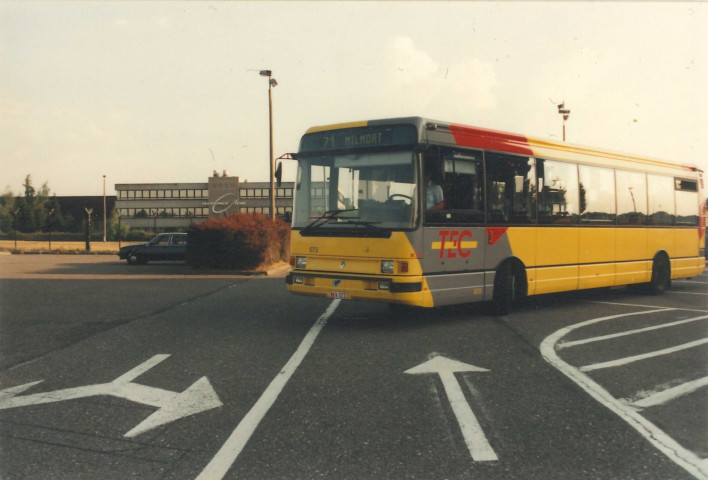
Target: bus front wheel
(504, 290)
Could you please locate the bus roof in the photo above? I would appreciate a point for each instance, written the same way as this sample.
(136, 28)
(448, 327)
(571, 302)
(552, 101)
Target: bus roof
(447, 133)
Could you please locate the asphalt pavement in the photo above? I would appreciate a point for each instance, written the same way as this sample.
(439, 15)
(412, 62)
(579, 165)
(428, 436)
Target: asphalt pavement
(114, 371)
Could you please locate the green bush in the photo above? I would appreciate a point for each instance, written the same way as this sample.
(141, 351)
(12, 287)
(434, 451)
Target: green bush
(136, 235)
(240, 241)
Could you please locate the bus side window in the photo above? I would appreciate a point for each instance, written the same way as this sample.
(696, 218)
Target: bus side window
(597, 195)
(661, 200)
(511, 189)
(463, 186)
(631, 197)
(558, 187)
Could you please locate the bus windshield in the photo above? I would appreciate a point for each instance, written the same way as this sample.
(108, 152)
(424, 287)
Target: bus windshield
(356, 192)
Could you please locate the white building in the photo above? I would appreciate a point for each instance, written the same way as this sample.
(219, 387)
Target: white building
(173, 206)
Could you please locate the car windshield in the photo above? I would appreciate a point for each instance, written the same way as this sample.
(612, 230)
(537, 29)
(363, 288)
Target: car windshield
(160, 240)
(365, 192)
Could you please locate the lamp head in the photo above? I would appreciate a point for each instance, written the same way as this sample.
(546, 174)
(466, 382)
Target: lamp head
(266, 73)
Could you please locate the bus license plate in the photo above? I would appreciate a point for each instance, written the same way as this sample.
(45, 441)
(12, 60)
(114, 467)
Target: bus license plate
(340, 295)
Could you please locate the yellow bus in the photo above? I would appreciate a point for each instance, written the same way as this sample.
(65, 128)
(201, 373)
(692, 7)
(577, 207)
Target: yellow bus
(419, 212)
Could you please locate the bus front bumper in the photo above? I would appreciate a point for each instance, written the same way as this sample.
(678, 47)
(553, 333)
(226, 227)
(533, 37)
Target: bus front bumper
(407, 290)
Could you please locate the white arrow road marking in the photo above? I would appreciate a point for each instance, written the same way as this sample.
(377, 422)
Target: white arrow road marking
(172, 405)
(476, 441)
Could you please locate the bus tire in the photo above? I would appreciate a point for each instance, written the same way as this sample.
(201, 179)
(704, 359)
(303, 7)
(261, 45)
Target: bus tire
(660, 275)
(510, 286)
(504, 290)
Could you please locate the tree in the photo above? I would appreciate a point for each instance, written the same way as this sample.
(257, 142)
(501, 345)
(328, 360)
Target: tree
(33, 208)
(7, 211)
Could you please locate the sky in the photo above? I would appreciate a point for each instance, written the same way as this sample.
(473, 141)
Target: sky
(157, 92)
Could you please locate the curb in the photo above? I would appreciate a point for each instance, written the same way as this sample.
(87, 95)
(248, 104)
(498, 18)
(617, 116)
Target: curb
(276, 271)
(279, 271)
(38, 252)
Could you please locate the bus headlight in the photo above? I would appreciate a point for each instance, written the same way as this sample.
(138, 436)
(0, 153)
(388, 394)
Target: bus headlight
(387, 266)
(301, 262)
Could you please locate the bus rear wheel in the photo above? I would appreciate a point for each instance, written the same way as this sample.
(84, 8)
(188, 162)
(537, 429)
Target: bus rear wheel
(660, 275)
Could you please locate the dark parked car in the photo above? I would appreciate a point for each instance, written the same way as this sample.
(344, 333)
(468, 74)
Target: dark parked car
(166, 246)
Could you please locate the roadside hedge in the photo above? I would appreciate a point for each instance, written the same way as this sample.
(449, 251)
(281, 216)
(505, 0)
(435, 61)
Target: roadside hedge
(127, 236)
(239, 241)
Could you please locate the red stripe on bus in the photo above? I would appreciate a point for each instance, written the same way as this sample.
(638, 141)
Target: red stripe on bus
(490, 139)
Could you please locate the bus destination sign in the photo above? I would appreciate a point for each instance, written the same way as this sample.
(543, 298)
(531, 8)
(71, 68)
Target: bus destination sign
(353, 138)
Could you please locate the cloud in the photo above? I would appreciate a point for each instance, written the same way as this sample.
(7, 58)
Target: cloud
(471, 84)
(418, 84)
(411, 65)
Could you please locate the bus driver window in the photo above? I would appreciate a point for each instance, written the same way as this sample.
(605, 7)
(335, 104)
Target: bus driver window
(434, 198)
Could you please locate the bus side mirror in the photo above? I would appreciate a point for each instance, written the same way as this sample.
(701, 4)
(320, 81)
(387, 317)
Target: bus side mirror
(279, 173)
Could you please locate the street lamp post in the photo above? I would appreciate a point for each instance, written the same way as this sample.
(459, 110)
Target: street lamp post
(14, 223)
(566, 113)
(89, 211)
(49, 227)
(104, 209)
(271, 83)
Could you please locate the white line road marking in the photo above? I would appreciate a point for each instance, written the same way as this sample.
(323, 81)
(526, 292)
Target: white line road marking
(686, 293)
(227, 454)
(669, 394)
(643, 356)
(172, 405)
(653, 434)
(476, 441)
(628, 332)
(648, 306)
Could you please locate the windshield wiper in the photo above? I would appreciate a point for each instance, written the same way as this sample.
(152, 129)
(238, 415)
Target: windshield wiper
(326, 217)
(369, 225)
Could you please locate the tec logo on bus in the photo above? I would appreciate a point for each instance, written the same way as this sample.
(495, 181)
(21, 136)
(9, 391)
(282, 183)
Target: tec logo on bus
(454, 243)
